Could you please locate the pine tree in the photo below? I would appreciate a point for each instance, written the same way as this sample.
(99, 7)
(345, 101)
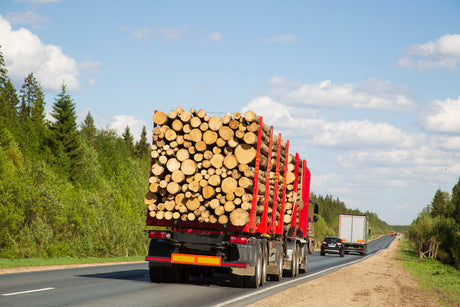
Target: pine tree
(65, 139)
(141, 149)
(129, 140)
(32, 100)
(88, 129)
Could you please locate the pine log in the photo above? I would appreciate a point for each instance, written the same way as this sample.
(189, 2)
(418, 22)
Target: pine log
(230, 161)
(245, 153)
(217, 160)
(223, 219)
(195, 135)
(173, 165)
(188, 167)
(215, 123)
(239, 217)
(210, 137)
(229, 185)
(160, 118)
(226, 133)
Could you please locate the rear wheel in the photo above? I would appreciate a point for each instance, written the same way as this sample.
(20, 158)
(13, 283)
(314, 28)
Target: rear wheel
(322, 253)
(254, 280)
(279, 276)
(342, 254)
(263, 278)
(304, 264)
(156, 274)
(292, 272)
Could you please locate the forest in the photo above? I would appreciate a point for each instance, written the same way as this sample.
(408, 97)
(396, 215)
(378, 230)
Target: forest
(435, 233)
(72, 189)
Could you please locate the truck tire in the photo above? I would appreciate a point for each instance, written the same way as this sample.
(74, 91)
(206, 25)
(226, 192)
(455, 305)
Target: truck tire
(303, 266)
(156, 274)
(292, 272)
(342, 254)
(254, 280)
(322, 253)
(264, 274)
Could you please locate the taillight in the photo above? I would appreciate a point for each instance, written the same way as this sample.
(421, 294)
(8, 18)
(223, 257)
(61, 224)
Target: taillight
(155, 234)
(236, 239)
(339, 244)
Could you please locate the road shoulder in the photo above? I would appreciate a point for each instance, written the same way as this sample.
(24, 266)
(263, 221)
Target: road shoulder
(377, 281)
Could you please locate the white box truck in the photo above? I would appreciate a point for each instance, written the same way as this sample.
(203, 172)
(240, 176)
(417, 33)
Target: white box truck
(353, 230)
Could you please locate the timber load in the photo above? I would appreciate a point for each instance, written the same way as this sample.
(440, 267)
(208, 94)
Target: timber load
(228, 170)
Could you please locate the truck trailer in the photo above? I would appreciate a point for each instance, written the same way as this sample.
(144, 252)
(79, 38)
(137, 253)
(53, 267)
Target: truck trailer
(353, 230)
(253, 231)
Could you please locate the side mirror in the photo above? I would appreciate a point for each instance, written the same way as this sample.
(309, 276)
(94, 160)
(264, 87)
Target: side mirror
(315, 218)
(316, 209)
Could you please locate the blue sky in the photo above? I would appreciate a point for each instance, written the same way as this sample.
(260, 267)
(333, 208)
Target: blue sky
(367, 92)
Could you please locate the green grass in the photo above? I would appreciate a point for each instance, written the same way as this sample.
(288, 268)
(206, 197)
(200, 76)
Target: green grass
(440, 280)
(13, 263)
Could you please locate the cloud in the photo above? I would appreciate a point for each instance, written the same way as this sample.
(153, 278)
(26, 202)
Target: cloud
(25, 53)
(27, 17)
(120, 122)
(282, 38)
(304, 122)
(215, 37)
(370, 94)
(444, 53)
(442, 116)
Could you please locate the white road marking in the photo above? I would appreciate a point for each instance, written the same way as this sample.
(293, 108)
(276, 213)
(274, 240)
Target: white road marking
(28, 291)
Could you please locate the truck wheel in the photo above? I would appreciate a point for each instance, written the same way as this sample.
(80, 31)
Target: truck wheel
(292, 272)
(342, 254)
(180, 274)
(156, 274)
(322, 253)
(263, 278)
(279, 276)
(254, 281)
(304, 264)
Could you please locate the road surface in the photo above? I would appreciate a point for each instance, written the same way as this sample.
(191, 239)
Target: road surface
(129, 285)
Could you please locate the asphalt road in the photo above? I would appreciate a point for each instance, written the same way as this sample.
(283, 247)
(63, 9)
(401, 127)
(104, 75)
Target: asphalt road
(129, 285)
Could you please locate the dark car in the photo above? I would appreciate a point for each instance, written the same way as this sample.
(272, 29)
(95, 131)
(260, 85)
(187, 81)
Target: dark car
(332, 245)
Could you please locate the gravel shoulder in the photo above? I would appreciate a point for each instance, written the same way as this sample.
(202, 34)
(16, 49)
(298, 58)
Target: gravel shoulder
(377, 281)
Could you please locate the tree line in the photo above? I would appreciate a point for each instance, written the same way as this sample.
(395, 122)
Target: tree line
(72, 189)
(435, 233)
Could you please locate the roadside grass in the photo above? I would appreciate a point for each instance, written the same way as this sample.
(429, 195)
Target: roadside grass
(14, 263)
(440, 280)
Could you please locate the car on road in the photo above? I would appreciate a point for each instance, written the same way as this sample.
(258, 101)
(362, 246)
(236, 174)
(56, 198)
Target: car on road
(332, 245)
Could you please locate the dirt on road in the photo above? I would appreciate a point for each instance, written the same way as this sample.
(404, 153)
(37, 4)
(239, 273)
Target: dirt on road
(377, 281)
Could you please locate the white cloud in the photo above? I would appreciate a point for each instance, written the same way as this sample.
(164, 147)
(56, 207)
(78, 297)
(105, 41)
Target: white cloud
(25, 53)
(444, 53)
(370, 94)
(27, 17)
(120, 122)
(344, 134)
(442, 116)
(282, 38)
(215, 37)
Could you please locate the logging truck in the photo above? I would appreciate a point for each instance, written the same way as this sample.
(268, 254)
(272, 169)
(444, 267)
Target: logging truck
(225, 194)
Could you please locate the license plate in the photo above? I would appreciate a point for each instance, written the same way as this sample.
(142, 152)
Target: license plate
(331, 245)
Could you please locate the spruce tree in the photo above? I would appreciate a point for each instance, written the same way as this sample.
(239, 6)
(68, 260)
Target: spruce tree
(88, 129)
(141, 149)
(64, 136)
(129, 140)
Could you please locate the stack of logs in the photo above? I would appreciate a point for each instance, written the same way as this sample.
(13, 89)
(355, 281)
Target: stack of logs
(204, 167)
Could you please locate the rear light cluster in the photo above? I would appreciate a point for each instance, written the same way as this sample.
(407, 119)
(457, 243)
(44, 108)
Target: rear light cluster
(156, 234)
(339, 244)
(237, 239)
(324, 242)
